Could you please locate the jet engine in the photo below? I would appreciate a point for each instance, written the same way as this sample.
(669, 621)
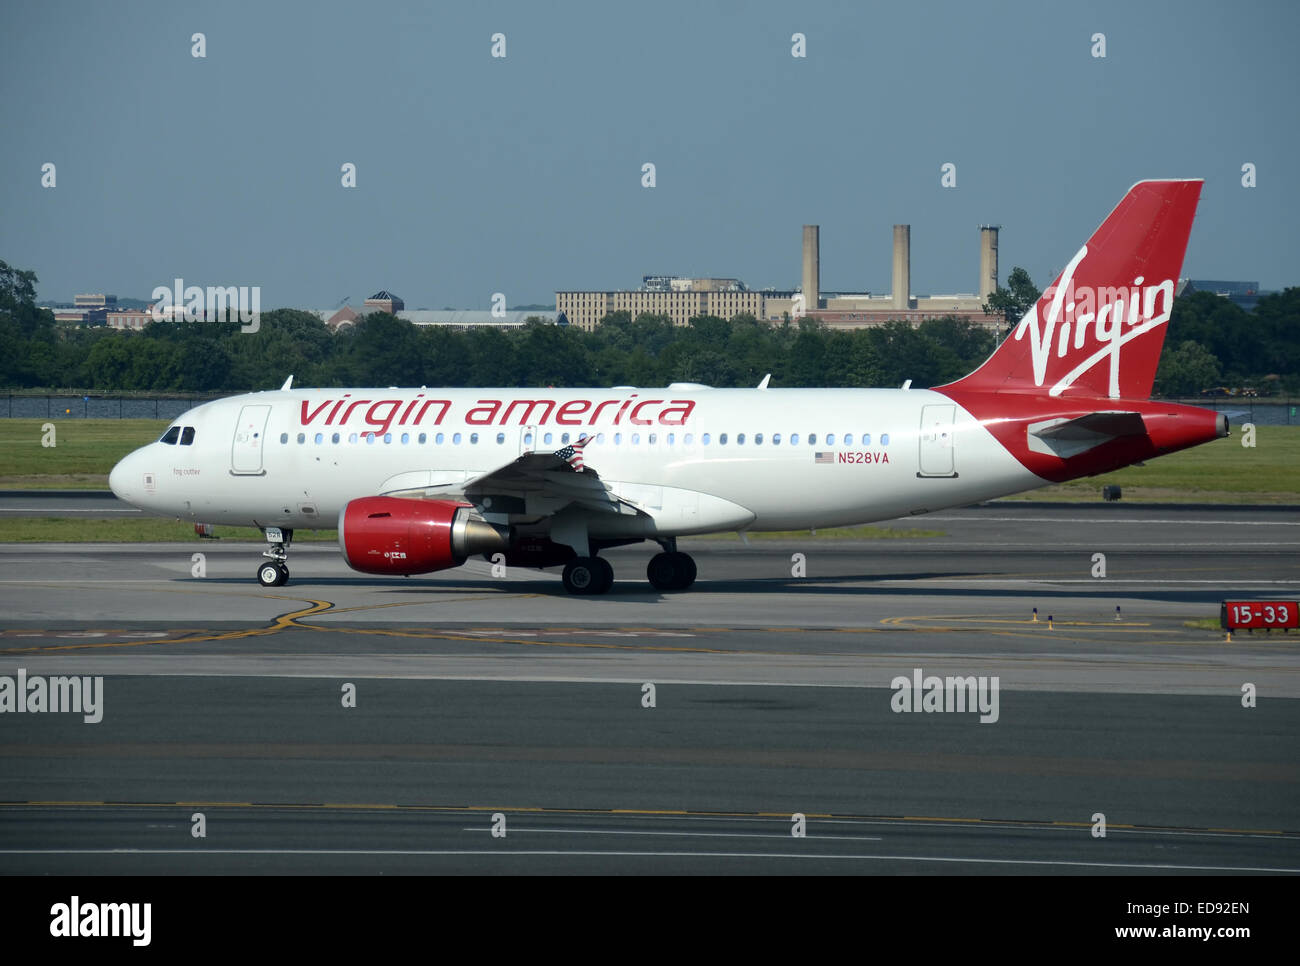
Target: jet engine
(392, 535)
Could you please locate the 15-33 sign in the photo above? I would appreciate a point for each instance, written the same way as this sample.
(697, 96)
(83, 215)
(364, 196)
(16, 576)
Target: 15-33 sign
(1249, 615)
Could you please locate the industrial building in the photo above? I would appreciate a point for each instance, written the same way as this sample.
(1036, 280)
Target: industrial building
(463, 320)
(682, 298)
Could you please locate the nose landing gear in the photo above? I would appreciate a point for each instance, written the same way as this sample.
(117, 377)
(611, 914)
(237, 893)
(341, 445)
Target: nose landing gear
(274, 572)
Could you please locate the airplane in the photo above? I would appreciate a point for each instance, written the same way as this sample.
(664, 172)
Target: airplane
(419, 480)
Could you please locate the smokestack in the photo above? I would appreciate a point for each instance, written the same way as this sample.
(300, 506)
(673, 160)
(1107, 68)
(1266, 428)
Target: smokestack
(988, 260)
(812, 267)
(902, 266)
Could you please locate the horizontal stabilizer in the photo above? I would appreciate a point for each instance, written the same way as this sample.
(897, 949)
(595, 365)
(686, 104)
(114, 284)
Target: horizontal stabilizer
(1070, 437)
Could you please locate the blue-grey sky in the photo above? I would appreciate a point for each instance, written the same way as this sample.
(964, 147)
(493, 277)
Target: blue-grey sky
(522, 175)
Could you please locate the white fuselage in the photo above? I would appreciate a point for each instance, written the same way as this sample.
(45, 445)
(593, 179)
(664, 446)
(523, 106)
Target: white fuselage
(695, 459)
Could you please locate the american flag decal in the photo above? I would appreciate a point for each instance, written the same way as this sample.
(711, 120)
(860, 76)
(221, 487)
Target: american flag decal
(823, 457)
(572, 454)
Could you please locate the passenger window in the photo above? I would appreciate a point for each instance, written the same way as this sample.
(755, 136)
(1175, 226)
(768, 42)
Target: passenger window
(528, 439)
(776, 439)
(473, 439)
(406, 438)
(812, 439)
(352, 437)
(618, 439)
(722, 439)
(171, 436)
(884, 439)
(848, 439)
(688, 439)
(600, 438)
(758, 439)
(830, 439)
(302, 438)
(547, 438)
(439, 438)
(284, 437)
(370, 438)
(455, 439)
(740, 439)
(388, 437)
(564, 438)
(650, 440)
(422, 438)
(866, 439)
(320, 438)
(335, 438)
(187, 436)
(794, 439)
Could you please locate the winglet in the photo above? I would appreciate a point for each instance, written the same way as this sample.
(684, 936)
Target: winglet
(288, 384)
(766, 380)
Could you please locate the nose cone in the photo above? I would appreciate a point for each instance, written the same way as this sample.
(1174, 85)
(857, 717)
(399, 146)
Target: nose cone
(122, 480)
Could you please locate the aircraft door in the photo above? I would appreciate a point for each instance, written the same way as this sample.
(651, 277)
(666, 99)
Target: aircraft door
(528, 440)
(937, 454)
(250, 433)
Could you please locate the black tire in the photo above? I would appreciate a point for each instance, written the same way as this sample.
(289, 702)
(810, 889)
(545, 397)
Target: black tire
(284, 574)
(664, 571)
(686, 565)
(582, 576)
(606, 575)
(268, 574)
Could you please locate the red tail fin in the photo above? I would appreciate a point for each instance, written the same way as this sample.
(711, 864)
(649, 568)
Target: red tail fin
(1098, 329)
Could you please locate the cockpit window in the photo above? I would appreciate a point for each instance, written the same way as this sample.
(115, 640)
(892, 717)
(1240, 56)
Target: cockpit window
(187, 436)
(171, 436)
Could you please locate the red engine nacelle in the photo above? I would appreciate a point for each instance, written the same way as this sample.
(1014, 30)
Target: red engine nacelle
(391, 535)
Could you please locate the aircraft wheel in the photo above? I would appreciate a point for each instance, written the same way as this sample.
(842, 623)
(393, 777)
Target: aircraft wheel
(268, 574)
(686, 565)
(606, 575)
(664, 571)
(584, 575)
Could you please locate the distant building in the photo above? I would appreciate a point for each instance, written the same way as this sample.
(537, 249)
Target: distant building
(1245, 295)
(681, 298)
(347, 316)
(340, 318)
(384, 302)
(676, 296)
(475, 319)
(133, 319)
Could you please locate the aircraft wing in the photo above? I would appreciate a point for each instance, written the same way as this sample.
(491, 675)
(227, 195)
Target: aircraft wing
(533, 484)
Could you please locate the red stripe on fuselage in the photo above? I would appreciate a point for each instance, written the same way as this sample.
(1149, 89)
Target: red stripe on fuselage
(1007, 416)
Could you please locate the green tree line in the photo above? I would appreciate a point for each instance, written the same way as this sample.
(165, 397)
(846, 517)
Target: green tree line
(649, 350)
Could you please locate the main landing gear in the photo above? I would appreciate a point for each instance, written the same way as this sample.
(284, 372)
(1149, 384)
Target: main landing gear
(670, 570)
(274, 572)
(588, 576)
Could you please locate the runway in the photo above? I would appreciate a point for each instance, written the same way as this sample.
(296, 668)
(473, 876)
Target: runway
(485, 701)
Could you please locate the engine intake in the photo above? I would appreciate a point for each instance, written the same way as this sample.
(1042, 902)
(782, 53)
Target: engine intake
(391, 535)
